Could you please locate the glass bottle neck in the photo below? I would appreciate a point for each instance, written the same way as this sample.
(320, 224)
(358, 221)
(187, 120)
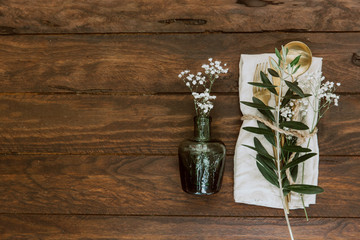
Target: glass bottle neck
(202, 128)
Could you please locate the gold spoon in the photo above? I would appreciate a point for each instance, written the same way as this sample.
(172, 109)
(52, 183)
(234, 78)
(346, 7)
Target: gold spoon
(297, 48)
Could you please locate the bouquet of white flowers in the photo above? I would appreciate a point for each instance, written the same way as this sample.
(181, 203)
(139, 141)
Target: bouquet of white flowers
(200, 85)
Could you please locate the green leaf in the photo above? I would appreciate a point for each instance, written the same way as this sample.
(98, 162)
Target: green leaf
(285, 183)
(272, 178)
(271, 139)
(256, 150)
(265, 112)
(286, 100)
(260, 149)
(266, 161)
(296, 96)
(262, 131)
(295, 61)
(295, 88)
(298, 160)
(257, 105)
(268, 114)
(265, 80)
(295, 149)
(274, 64)
(294, 172)
(297, 68)
(263, 85)
(294, 125)
(284, 52)
(305, 189)
(273, 72)
(278, 53)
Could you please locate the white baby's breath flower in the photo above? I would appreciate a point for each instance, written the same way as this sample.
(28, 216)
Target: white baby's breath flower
(203, 81)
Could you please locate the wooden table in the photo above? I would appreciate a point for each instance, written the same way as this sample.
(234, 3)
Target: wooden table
(92, 112)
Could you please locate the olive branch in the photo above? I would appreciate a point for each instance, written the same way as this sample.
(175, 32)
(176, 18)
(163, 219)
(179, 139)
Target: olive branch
(283, 132)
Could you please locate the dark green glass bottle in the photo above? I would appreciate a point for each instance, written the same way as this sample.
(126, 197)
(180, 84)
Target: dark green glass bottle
(201, 160)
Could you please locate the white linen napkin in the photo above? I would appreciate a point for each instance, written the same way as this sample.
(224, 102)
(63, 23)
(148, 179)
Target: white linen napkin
(250, 186)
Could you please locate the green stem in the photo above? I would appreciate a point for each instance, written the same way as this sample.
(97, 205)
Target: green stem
(315, 119)
(278, 163)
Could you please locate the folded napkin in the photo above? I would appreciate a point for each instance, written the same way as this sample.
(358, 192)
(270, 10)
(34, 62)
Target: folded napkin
(250, 186)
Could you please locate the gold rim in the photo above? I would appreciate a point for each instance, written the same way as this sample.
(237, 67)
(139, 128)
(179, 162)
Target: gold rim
(297, 48)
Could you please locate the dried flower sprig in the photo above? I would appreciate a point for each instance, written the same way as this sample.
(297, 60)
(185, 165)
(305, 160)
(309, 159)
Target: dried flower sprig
(200, 85)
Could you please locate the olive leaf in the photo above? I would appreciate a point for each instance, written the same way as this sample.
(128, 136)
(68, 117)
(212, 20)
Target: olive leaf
(262, 131)
(263, 85)
(294, 172)
(294, 125)
(298, 160)
(265, 80)
(265, 112)
(297, 68)
(273, 72)
(260, 148)
(268, 175)
(278, 54)
(304, 188)
(295, 88)
(270, 138)
(295, 61)
(295, 149)
(257, 103)
(297, 96)
(266, 161)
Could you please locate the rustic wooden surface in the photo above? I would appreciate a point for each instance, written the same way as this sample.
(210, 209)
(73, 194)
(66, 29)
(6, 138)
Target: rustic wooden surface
(137, 185)
(150, 63)
(64, 16)
(68, 123)
(92, 112)
(174, 227)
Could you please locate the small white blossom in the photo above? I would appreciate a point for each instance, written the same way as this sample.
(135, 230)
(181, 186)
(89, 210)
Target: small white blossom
(203, 81)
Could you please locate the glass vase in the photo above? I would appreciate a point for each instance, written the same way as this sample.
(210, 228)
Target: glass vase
(201, 160)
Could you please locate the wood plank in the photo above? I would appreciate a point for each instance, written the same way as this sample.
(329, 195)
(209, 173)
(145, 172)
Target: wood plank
(98, 124)
(59, 16)
(151, 63)
(150, 185)
(114, 227)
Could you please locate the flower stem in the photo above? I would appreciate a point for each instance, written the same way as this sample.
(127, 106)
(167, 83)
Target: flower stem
(278, 163)
(313, 125)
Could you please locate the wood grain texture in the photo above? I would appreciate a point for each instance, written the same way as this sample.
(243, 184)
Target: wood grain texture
(113, 227)
(177, 16)
(151, 63)
(102, 124)
(150, 185)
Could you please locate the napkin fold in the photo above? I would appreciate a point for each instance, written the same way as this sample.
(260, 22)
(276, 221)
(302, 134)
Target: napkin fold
(250, 186)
